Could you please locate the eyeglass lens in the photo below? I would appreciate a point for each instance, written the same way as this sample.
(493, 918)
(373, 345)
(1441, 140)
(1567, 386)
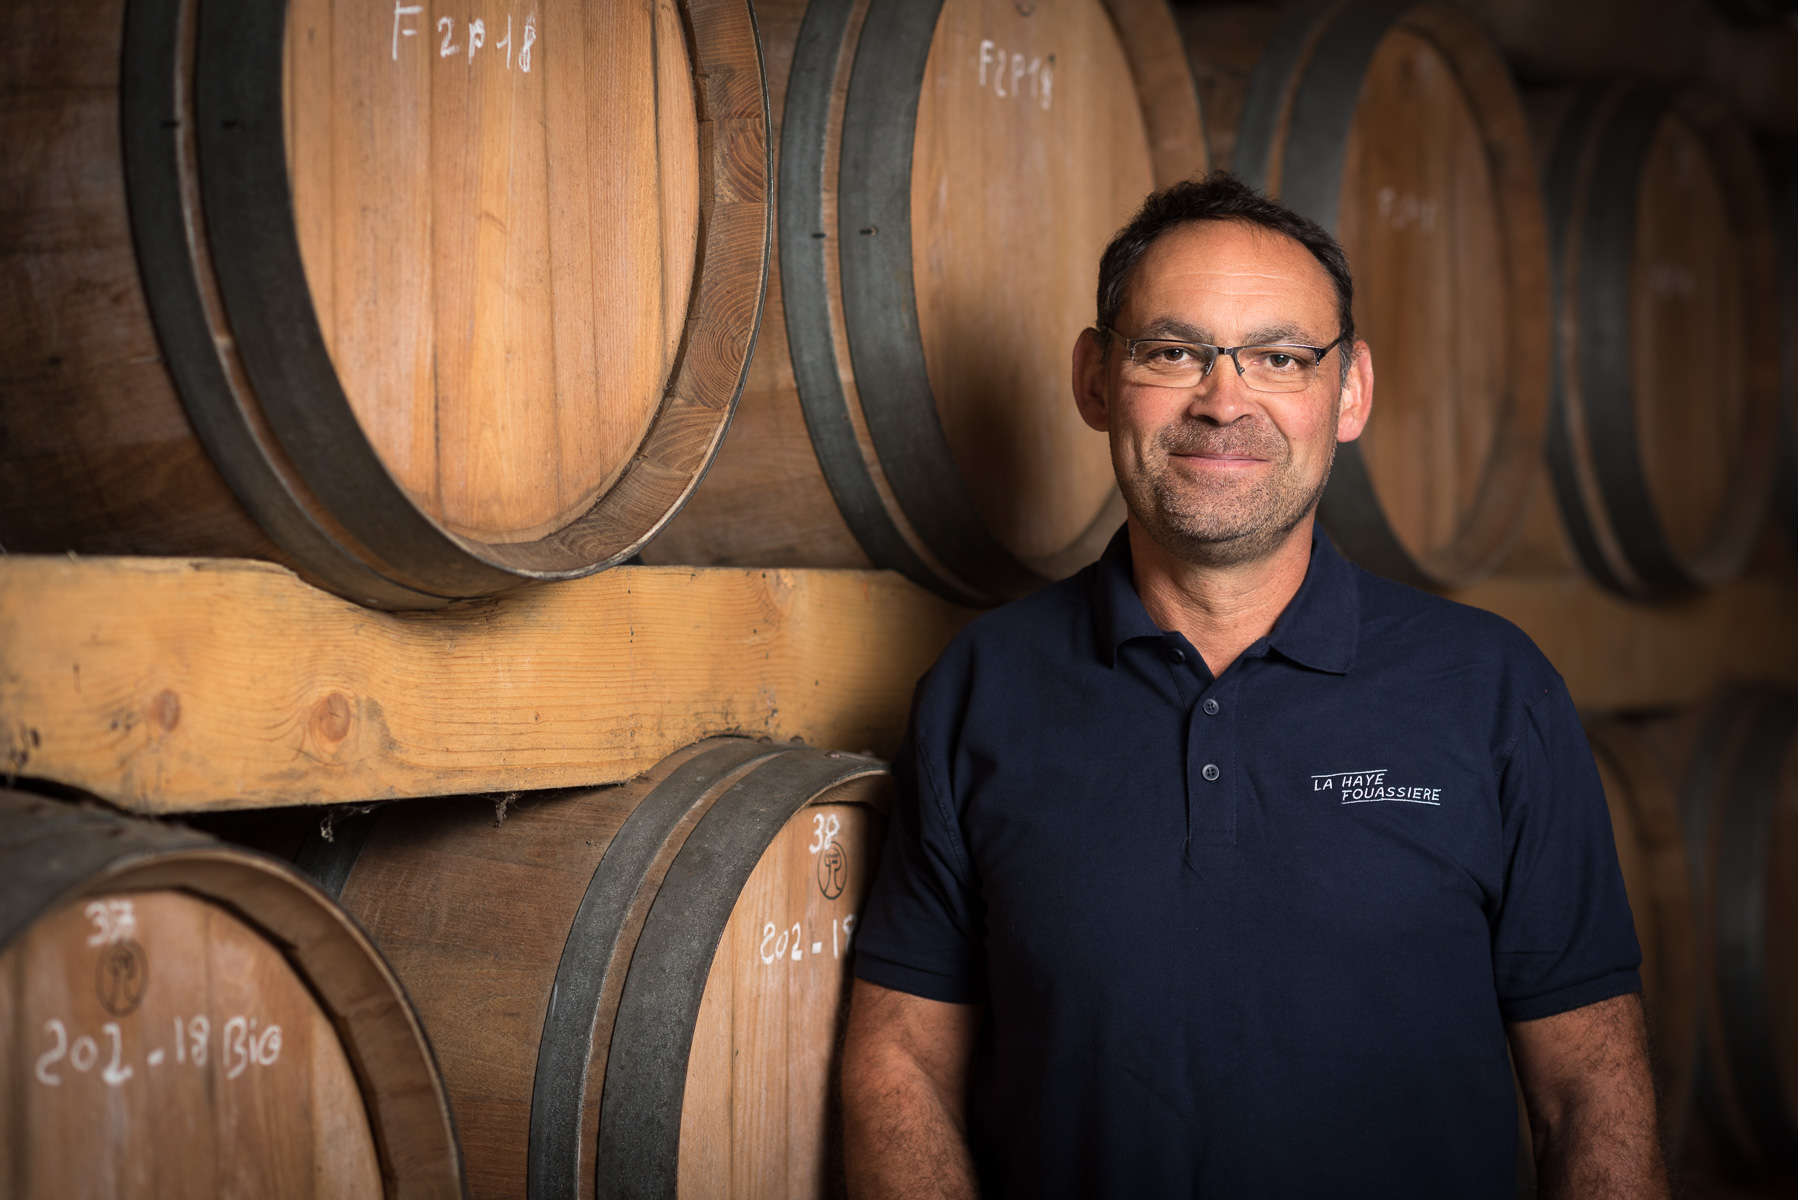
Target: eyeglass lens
(1184, 364)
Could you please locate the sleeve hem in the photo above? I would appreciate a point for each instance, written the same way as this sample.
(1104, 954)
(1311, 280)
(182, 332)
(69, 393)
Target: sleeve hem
(1566, 999)
(929, 985)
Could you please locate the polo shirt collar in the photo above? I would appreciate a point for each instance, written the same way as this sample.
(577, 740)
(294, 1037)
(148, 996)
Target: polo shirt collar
(1318, 629)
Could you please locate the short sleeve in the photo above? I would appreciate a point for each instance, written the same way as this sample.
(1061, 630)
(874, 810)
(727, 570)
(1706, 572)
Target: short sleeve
(920, 932)
(1563, 937)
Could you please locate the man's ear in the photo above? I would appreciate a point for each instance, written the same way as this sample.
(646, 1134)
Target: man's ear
(1356, 402)
(1091, 394)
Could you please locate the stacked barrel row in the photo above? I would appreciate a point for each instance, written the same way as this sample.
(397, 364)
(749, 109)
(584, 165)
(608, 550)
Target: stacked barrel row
(426, 305)
(1640, 356)
(296, 285)
(628, 991)
(1705, 810)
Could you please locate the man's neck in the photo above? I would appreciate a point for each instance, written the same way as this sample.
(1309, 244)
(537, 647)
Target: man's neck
(1222, 610)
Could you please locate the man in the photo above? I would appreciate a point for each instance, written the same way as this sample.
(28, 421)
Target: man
(1225, 868)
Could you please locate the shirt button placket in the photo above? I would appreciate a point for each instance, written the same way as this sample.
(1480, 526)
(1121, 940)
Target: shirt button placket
(1211, 796)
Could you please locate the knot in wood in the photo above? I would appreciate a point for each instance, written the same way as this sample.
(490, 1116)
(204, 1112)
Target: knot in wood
(331, 717)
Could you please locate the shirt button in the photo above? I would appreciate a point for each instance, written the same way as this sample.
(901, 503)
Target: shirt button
(1210, 772)
(1176, 655)
(1211, 708)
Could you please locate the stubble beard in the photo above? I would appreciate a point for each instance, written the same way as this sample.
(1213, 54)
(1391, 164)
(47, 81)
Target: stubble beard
(1221, 524)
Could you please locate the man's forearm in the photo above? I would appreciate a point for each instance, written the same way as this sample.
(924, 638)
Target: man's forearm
(900, 1138)
(1592, 1106)
(1595, 1156)
(905, 1072)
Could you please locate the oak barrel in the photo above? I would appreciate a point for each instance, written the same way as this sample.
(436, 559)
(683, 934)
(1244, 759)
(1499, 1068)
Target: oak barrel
(950, 171)
(1740, 813)
(1397, 127)
(1663, 435)
(1785, 215)
(423, 304)
(633, 991)
(183, 1018)
(1642, 790)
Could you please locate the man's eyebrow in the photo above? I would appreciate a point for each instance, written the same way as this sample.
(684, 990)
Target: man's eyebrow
(1274, 334)
(1174, 329)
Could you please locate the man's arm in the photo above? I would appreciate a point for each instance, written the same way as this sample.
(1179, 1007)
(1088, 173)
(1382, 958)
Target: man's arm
(905, 1076)
(1591, 1100)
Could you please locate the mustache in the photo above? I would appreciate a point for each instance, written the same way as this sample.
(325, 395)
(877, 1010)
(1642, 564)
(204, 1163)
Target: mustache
(1244, 436)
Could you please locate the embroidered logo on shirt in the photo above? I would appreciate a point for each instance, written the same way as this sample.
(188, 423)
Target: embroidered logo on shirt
(1370, 787)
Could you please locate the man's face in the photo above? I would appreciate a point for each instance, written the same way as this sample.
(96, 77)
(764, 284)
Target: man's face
(1219, 473)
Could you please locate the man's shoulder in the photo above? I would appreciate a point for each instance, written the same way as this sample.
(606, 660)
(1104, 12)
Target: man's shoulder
(1408, 625)
(1036, 632)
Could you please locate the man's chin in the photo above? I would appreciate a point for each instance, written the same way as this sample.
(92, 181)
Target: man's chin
(1218, 544)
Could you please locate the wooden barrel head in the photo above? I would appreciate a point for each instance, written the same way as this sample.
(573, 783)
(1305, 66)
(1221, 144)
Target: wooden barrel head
(1784, 173)
(181, 1017)
(754, 1117)
(498, 218)
(1031, 151)
(1399, 129)
(1662, 458)
(164, 1047)
(1690, 336)
(1781, 952)
(422, 304)
(1740, 817)
(1423, 229)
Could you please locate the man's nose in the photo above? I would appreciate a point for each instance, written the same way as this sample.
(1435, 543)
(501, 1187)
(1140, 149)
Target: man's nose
(1221, 388)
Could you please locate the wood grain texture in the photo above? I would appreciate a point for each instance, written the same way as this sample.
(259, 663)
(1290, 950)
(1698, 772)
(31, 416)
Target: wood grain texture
(499, 216)
(442, 887)
(103, 916)
(1616, 654)
(755, 1120)
(166, 685)
(1424, 231)
(1223, 44)
(527, 360)
(764, 499)
(204, 1069)
(109, 437)
(1102, 108)
(1701, 260)
(1439, 208)
(1031, 151)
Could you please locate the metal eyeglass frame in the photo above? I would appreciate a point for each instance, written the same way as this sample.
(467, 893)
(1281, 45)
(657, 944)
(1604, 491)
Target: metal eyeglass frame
(1130, 345)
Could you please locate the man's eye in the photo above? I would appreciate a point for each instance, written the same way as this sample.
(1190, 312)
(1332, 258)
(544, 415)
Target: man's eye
(1171, 354)
(1281, 362)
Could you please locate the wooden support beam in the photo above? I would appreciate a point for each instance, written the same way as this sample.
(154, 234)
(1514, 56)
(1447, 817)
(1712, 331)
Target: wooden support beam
(169, 685)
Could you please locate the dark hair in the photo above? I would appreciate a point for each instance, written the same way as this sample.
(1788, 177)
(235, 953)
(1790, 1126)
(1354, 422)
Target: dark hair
(1220, 196)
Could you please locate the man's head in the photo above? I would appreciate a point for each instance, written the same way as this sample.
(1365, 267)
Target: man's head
(1215, 470)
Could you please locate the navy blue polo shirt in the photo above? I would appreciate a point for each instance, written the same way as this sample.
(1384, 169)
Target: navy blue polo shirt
(1257, 935)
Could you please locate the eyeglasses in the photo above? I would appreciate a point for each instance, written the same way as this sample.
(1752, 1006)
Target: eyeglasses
(1159, 362)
